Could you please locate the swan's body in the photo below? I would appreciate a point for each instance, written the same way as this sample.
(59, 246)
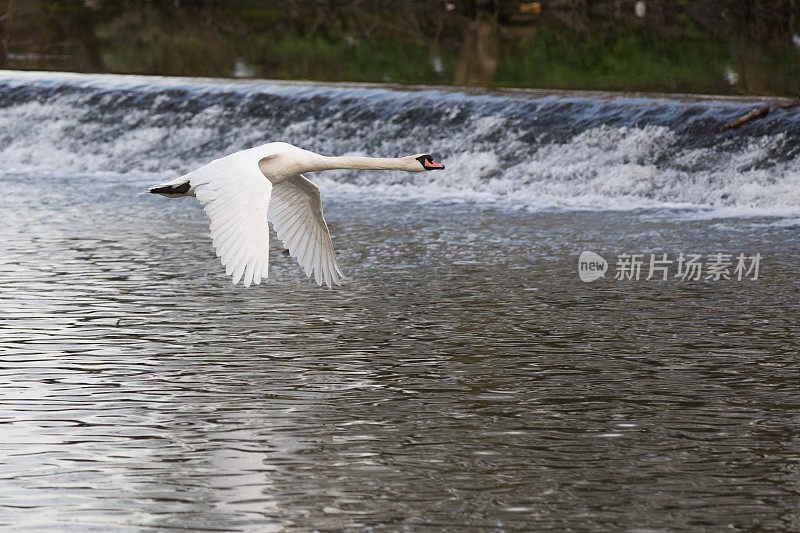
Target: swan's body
(242, 191)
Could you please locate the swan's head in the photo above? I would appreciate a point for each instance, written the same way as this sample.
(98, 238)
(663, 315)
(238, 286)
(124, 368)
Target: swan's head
(427, 162)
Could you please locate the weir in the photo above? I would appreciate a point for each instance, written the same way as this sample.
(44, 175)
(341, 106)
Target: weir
(530, 149)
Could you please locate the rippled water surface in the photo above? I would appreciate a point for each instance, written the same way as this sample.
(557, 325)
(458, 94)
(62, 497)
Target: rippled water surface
(462, 377)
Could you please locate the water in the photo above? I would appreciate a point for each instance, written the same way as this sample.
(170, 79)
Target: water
(462, 377)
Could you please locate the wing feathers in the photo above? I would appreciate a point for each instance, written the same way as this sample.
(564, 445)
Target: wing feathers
(236, 197)
(239, 200)
(295, 211)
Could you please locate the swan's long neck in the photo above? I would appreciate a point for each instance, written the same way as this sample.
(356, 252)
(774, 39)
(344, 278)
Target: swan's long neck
(365, 163)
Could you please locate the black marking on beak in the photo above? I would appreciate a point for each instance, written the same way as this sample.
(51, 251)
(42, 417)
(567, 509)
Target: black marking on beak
(428, 163)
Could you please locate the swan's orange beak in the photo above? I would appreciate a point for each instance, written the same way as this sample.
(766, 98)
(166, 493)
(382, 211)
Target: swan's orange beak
(428, 163)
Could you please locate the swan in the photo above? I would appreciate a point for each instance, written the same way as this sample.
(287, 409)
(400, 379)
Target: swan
(242, 192)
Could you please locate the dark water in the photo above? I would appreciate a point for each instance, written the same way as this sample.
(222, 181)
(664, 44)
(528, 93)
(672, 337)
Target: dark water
(701, 47)
(463, 378)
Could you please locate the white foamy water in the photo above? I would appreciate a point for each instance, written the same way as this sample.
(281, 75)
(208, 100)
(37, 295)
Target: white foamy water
(532, 151)
(462, 377)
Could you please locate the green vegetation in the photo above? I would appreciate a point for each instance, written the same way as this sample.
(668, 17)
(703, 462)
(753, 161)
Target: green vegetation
(624, 60)
(591, 45)
(293, 56)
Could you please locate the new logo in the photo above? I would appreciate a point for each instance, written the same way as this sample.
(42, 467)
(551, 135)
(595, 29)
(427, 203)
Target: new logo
(591, 266)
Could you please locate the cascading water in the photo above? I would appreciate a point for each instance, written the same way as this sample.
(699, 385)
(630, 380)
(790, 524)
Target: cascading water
(525, 149)
(464, 376)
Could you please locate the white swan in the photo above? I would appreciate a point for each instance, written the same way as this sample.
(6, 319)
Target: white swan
(242, 191)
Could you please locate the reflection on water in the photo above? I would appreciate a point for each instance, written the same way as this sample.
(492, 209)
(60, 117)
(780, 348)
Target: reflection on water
(716, 46)
(462, 376)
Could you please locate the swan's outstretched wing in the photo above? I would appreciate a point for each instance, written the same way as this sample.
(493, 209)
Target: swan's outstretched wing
(236, 200)
(295, 211)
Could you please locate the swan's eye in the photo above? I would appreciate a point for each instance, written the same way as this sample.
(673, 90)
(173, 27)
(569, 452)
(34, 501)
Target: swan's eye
(429, 164)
